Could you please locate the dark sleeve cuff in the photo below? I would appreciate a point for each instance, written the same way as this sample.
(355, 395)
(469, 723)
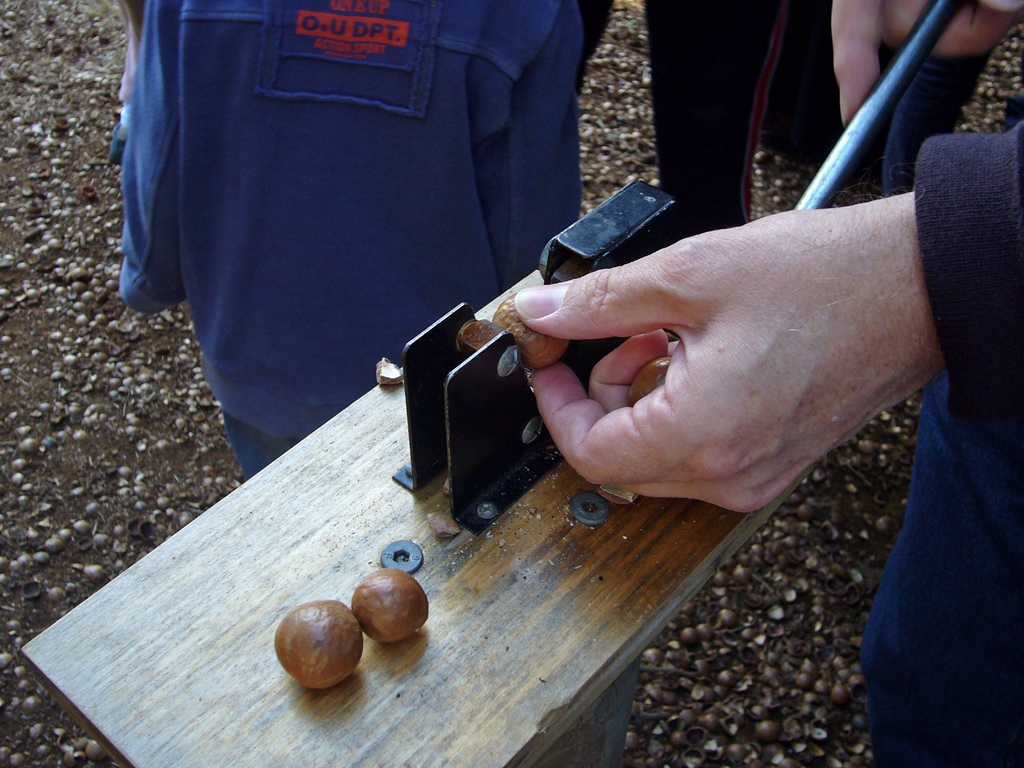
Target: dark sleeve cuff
(969, 221)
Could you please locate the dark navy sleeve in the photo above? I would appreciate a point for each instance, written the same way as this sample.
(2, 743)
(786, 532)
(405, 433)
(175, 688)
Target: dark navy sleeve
(971, 233)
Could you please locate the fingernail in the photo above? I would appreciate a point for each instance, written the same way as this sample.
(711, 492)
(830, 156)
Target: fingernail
(540, 301)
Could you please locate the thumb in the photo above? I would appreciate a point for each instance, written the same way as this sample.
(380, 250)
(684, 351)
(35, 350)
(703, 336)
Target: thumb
(622, 301)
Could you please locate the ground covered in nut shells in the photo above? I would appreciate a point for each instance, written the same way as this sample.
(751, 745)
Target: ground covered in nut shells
(111, 441)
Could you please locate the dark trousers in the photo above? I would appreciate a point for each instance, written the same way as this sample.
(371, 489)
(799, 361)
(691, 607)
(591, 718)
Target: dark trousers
(254, 448)
(711, 68)
(944, 648)
(930, 106)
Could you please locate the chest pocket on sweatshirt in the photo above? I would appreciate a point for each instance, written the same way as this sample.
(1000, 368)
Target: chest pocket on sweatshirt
(373, 52)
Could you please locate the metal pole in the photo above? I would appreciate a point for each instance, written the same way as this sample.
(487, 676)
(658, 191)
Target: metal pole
(849, 153)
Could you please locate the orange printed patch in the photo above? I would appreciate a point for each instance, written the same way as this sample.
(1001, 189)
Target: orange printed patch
(359, 30)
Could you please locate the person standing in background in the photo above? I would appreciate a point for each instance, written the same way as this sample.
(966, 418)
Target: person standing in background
(711, 70)
(322, 179)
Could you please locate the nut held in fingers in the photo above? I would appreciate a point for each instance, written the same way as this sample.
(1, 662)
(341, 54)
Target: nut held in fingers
(648, 379)
(537, 350)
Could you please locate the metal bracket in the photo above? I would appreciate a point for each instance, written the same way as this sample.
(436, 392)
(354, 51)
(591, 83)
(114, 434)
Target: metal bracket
(478, 416)
(473, 411)
(426, 362)
(637, 220)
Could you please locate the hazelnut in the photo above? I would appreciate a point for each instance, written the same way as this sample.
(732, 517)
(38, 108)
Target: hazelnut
(536, 349)
(648, 378)
(319, 643)
(390, 605)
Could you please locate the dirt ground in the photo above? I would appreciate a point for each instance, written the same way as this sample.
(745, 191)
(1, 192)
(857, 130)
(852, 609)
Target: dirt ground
(110, 440)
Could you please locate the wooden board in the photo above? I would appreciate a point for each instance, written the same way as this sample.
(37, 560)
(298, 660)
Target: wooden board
(172, 663)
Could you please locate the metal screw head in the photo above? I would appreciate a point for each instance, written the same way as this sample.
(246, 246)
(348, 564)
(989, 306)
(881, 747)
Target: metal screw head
(590, 508)
(532, 429)
(508, 361)
(487, 510)
(403, 555)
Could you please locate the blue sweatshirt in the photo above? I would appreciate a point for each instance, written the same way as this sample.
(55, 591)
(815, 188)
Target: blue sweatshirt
(323, 179)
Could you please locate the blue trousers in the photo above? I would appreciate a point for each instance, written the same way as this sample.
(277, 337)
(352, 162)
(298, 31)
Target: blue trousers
(930, 106)
(253, 447)
(943, 652)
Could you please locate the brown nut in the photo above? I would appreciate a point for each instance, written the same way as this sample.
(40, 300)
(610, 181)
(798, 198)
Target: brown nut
(536, 349)
(390, 605)
(648, 378)
(319, 643)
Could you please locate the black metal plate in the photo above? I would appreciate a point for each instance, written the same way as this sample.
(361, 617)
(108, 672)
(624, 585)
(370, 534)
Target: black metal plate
(488, 416)
(426, 362)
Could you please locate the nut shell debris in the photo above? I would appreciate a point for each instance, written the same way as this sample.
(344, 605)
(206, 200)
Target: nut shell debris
(443, 526)
(388, 374)
(616, 494)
